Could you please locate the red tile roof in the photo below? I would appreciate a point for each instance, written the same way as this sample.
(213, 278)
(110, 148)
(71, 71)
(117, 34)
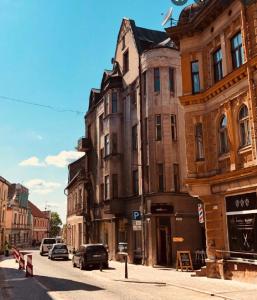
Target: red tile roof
(36, 212)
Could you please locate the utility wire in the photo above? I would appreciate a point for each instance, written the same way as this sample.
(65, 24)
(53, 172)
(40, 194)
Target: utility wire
(40, 105)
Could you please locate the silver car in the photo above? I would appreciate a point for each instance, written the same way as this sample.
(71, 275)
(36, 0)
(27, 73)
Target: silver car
(58, 251)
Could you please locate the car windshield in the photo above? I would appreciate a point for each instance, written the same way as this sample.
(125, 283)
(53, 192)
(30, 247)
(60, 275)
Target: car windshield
(96, 248)
(49, 241)
(60, 247)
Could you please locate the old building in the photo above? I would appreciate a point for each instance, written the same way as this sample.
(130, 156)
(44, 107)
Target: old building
(218, 44)
(18, 216)
(4, 185)
(135, 156)
(77, 216)
(39, 224)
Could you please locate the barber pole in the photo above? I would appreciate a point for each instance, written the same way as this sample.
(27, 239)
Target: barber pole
(29, 266)
(21, 262)
(200, 213)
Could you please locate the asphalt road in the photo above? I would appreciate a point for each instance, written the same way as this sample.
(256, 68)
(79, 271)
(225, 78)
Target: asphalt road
(59, 280)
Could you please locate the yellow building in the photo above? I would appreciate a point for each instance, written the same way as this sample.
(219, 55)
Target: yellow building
(218, 44)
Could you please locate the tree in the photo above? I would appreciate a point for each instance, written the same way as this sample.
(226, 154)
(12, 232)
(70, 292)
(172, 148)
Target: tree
(55, 224)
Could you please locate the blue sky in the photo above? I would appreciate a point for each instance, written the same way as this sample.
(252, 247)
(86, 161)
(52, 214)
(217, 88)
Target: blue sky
(52, 52)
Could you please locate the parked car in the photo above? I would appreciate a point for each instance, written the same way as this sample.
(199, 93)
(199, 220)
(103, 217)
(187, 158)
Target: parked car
(90, 255)
(46, 245)
(58, 250)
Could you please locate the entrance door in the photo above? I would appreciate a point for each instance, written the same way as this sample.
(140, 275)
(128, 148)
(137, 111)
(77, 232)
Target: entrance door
(163, 238)
(163, 246)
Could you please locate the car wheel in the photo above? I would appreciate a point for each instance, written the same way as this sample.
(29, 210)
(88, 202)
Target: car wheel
(81, 265)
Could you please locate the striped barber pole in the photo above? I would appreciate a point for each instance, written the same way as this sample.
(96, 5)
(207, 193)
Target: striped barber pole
(200, 213)
(29, 266)
(21, 262)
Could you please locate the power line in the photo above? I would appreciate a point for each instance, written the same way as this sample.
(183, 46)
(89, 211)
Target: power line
(40, 105)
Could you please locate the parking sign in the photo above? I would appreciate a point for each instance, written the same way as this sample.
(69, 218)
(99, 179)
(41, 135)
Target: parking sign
(136, 215)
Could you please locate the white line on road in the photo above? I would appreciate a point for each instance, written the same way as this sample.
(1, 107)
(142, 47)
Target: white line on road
(41, 284)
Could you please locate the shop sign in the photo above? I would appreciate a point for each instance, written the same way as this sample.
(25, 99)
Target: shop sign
(178, 239)
(161, 208)
(241, 202)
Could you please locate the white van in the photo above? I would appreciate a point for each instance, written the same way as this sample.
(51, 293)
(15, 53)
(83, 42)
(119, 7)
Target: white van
(46, 245)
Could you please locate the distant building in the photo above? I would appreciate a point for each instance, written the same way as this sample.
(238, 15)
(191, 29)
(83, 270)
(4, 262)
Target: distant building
(219, 75)
(4, 186)
(39, 223)
(18, 216)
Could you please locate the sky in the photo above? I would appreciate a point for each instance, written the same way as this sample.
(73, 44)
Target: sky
(52, 52)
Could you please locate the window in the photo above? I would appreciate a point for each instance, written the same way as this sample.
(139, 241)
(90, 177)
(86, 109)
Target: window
(115, 185)
(195, 77)
(217, 65)
(106, 105)
(173, 124)
(107, 145)
(223, 133)
(114, 102)
(144, 83)
(244, 129)
(102, 158)
(157, 82)
(158, 127)
(171, 80)
(134, 137)
(237, 50)
(160, 178)
(107, 187)
(176, 177)
(114, 143)
(135, 181)
(125, 62)
(101, 125)
(133, 97)
(102, 192)
(199, 141)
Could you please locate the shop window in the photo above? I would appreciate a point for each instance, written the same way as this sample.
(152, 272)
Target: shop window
(223, 134)
(244, 128)
(199, 141)
(195, 77)
(217, 65)
(237, 52)
(157, 80)
(158, 127)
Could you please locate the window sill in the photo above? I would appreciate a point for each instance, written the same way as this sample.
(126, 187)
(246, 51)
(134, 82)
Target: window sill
(244, 149)
(200, 160)
(223, 156)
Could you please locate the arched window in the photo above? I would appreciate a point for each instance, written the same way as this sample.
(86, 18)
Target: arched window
(199, 141)
(223, 134)
(244, 129)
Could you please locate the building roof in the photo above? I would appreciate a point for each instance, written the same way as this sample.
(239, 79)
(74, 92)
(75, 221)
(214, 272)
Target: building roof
(35, 211)
(4, 180)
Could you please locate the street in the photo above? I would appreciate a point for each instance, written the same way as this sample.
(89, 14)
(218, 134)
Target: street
(59, 280)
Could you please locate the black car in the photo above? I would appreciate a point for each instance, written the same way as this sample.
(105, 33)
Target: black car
(90, 255)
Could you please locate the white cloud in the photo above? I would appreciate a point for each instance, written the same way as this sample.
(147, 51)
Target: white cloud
(32, 162)
(39, 137)
(40, 186)
(62, 159)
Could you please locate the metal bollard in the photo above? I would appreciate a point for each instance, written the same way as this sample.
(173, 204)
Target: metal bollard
(101, 266)
(126, 266)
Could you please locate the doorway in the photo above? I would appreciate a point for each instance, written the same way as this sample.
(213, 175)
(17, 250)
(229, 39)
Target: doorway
(163, 240)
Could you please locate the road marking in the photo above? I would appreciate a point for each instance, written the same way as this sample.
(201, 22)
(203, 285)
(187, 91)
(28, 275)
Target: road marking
(41, 284)
(16, 279)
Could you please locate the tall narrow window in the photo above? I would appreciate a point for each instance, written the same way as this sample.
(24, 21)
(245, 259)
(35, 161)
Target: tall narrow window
(115, 185)
(244, 128)
(125, 62)
(217, 65)
(195, 77)
(106, 105)
(199, 141)
(157, 80)
(160, 178)
(176, 177)
(102, 192)
(158, 127)
(106, 187)
(171, 80)
(144, 83)
(173, 124)
(114, 102)
(223, 133)
(107, 145)
(135, 181)
(101, 125)
(237, 50)
(134, 137)
(114, 143)
(102, 158)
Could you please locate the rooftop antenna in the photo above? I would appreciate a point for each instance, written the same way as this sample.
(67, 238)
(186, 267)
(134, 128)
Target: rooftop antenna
(168, 17)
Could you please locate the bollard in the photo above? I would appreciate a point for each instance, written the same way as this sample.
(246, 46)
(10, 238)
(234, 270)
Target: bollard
(126, 266)
(101, 266)
(21, 262)
(29, 266)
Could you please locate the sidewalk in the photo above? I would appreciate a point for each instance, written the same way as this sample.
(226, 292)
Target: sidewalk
(227, 289)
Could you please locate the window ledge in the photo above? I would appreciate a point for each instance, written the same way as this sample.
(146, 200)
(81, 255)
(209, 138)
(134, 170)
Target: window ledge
(244, 149)
(200, 160)
(224, 156)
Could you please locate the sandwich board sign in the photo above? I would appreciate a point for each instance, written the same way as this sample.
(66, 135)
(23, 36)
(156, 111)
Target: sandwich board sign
(184, 261)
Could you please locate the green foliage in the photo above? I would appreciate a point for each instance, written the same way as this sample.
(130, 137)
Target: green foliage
(55, 224)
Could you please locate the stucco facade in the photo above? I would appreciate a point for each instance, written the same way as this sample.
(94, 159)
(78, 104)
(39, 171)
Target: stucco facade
(218, 62)
(4, 186)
